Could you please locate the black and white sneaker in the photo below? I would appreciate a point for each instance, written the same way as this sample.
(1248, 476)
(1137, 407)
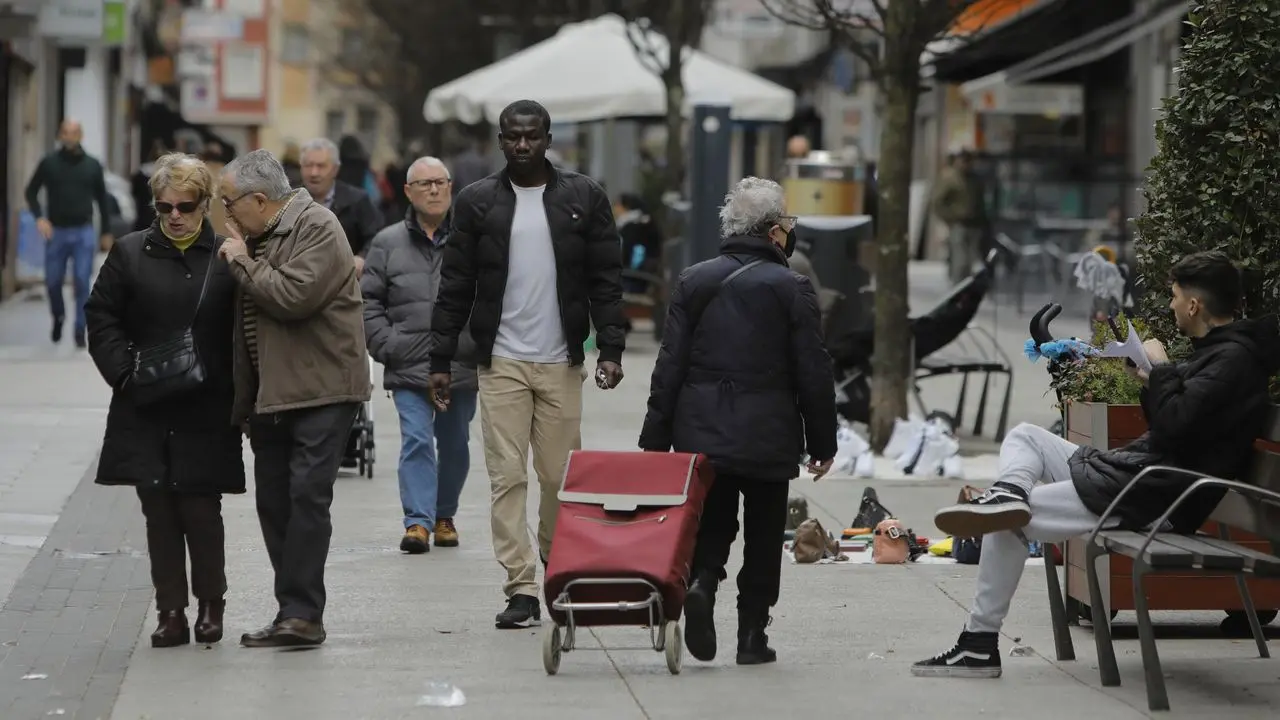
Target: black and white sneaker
(522, 611)
(976, 655)
(1001, 507)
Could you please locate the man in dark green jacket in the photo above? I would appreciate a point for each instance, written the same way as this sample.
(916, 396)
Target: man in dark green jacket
(73, 181)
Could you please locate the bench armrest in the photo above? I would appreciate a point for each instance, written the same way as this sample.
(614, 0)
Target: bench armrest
(1252, 491)
(1102, 521)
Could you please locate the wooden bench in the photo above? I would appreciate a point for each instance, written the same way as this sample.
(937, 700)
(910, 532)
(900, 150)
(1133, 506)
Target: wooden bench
(1251, 506)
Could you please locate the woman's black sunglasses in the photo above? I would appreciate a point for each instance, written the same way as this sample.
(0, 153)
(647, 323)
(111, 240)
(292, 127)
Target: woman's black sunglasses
(186, 208)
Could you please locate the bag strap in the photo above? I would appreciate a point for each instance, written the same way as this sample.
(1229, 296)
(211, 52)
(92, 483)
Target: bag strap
(213, 258)
(696, 315)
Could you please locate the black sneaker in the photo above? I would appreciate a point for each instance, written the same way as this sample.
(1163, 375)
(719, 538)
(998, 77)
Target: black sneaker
(976, 655)
(522, 611)
(56, 334)
(80, 339)
(699, 619)
(1001, 507)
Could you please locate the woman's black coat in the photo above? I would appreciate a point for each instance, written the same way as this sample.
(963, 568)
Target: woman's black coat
(749, 384)
(146, 293)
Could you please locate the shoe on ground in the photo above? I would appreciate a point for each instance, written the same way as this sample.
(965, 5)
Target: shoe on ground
(80, 339)
(522, 611)
(56, 334)
(416, 540)
(699, 619)
(753, 643)
(1001, 507)
(290, 632)
(976, 655)
(446, 533)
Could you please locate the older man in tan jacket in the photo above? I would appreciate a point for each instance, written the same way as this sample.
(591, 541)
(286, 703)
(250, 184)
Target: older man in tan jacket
(300, 376)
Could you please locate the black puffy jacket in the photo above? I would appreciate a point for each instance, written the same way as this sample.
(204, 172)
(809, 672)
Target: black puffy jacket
(1203, 413)
(588, 267)
(751, 386)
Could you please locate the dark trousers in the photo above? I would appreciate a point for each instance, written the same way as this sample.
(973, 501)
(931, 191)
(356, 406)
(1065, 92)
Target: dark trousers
(178, 524)
(296, 459)
(764, 519)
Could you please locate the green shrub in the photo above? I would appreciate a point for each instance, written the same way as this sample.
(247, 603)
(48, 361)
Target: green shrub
(1215, 180)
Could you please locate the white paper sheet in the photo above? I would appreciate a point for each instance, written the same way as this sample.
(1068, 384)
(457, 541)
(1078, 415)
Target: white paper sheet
(1131, 348)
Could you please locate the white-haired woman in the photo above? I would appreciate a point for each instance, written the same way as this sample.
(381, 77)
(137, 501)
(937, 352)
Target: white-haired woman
(163, 306)
(743, 378)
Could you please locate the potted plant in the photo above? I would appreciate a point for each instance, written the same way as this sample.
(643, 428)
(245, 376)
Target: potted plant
(1099, 397)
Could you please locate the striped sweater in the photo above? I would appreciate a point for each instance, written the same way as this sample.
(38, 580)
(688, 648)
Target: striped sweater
(248, 306)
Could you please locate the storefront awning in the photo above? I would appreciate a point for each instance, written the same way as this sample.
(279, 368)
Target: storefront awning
(1088, 48)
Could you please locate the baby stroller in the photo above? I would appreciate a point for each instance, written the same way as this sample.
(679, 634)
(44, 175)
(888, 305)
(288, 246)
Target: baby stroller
(947, 323)
(360, 443)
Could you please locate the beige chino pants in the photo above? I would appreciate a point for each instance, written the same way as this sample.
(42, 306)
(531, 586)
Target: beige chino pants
(524, 404)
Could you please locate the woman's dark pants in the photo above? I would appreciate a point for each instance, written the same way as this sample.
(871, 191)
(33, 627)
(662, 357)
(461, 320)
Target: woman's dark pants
(179, 524)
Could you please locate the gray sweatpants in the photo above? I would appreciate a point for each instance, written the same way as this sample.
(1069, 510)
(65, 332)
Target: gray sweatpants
(1035, 460)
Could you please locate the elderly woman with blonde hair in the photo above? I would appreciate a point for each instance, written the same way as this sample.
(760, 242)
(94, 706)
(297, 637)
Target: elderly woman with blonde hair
(160, 332)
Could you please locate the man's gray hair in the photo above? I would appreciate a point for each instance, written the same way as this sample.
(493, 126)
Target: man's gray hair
(752, 205)
(429, 161)
(259, 172)
(320, 144)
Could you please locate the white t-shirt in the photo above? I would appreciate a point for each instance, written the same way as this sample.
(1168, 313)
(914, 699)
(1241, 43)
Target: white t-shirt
(530, 328)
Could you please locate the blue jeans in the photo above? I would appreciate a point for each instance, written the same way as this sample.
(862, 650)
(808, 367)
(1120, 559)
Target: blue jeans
(77, 245)
(429, 488)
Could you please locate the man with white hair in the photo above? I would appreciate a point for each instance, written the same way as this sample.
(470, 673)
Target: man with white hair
(743, 377)
(356, 213)
(400, 282)
(300, 375)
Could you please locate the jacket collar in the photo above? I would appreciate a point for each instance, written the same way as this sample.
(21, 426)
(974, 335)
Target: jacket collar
(299, 201)
(553, 176)
(415, 230)
(755, 246)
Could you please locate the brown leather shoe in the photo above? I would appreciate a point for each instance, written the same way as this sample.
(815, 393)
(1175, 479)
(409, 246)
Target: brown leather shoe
(172, 630)
(208, 628)
(416, 540)
(446, 533)
(290, 632)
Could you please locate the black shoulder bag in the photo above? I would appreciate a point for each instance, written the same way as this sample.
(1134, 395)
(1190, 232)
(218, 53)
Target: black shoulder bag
(171, 367)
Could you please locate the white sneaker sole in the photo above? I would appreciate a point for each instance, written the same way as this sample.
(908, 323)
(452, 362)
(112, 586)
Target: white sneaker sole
(974, 521)
(955, 671)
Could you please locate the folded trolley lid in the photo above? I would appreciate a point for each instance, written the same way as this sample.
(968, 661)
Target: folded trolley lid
(627, 481)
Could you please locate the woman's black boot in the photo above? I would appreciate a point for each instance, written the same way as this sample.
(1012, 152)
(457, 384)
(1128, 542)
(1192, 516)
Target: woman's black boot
(172, 630)
(753, 644)
(699, 618)
(209, 621)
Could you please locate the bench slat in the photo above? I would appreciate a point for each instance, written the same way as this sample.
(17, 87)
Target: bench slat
(1159, 554)
(1259, 563)
(1208, 555)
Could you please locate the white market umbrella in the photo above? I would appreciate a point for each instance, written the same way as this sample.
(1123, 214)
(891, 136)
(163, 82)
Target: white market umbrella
(590, 71)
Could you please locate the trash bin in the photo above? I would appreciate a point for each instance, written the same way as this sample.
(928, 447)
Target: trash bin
(841, 248)
(824, 184)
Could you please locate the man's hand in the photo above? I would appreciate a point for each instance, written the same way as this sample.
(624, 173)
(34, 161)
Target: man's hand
(608, 374)
(439, 390)
(234, 246)
(45, 228)
(106, 242)
(359, 266)
(819, 467)
(1155, 351)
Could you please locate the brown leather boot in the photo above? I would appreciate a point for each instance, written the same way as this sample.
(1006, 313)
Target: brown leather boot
(172, 630)
(209, 621)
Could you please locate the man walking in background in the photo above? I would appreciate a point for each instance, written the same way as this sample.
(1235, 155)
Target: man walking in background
(534, 260)
(960, 203)
(356, 213)
(73, 181)
(300, 376)
(400, 281)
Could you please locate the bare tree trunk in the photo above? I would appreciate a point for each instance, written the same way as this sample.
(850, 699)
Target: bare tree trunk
(673, 81)
(892, 361)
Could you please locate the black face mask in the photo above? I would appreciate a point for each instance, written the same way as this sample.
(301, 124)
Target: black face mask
(790, 247)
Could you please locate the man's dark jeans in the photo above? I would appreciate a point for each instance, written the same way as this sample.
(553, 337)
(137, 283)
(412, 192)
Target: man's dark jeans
(296, 458)
(765, 521)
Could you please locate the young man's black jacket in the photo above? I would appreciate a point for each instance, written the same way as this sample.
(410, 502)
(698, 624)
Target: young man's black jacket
(588, 267)
(1203, 414)
(751, 385)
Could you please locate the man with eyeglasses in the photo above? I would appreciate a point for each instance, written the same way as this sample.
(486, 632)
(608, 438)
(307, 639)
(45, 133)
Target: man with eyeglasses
(408, 256)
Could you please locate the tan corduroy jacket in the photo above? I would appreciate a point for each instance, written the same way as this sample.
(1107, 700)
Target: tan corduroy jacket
(311, 344)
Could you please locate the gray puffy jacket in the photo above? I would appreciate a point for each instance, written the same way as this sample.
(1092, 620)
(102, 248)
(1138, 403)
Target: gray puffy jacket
(400, 281)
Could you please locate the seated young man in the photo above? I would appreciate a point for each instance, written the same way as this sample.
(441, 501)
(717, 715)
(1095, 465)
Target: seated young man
(1204, 414)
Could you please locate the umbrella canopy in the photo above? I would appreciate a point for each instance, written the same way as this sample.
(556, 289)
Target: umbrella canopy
(591, 71)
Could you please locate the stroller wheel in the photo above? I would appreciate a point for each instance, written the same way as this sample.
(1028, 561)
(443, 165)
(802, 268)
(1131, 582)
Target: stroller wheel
(367, 451)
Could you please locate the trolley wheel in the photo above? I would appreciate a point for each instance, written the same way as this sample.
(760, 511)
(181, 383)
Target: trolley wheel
(674, 646)
(551, 650)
